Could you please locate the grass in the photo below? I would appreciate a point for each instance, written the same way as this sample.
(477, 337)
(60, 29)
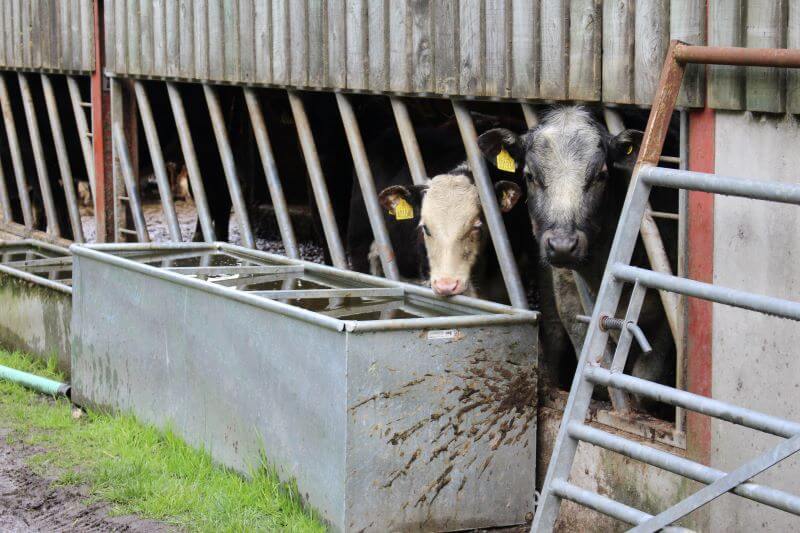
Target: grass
(141, 470)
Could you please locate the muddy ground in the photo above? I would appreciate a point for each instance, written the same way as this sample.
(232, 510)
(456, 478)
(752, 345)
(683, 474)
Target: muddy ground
(31, 503)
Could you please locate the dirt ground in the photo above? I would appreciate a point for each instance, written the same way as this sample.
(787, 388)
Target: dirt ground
(30, 503)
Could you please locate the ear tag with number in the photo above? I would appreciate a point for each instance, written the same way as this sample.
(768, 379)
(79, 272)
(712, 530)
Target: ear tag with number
(403, 210)
(505, 162)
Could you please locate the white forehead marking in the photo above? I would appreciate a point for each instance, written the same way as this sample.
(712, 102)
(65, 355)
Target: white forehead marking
(450, 204)
(565, 145)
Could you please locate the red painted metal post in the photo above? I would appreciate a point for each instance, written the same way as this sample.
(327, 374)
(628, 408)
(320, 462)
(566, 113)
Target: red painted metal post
(101, 135)
(701, 268)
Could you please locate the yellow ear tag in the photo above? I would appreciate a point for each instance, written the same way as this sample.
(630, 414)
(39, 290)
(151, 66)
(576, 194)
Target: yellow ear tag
(403, 210)
(630, 150)
(505, 162)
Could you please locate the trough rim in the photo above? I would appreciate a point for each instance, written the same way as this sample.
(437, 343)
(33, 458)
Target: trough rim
(32, 278)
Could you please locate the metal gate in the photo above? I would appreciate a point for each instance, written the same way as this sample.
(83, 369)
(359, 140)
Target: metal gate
(619, 274)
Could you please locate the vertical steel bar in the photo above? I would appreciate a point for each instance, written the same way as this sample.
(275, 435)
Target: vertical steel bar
(271, 173)
(530, 114)
(121, 152)
(63, 159)
(491, 210)
(620, 398)
(5, 200)
(53, 226)
(102, 149)
(192, 166)
(367, 183)
(651, 237)
(83, 130)
(610, 290)
(229, 165)
(321, 197)
(157, 159)
(16, 154)
(683, 263)
(416, 165)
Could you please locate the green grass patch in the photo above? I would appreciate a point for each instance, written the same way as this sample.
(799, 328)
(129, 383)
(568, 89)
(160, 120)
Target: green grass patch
(141, 470)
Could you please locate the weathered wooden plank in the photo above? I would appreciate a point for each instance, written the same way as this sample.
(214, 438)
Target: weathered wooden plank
(186, 39)
(356, 38)
(263, 37)
(19, 56)
(553, 61)
(336, 76)
(109, 37)
(379, 37)
(317, 39)
(725, 28)
(87, 34)
(447, 46)
(121, 34)
(146, 25)
(216, 41)
(496, 36)
(585, 50)
(650, 47)
(298, 43)
(8, 32)
(3, 59)
(200, 42)
(525, 48)
(793, 74)
(471, 36)
(765, 87)
(172, 22)
(399, 46)
(280, 41)
(688, 24)
(134, 38)
(27, 44)
(232, 60)
(421, 43)
(247, 52)
(618, 51)
(34, 34)
(75, 34)
(159, 37)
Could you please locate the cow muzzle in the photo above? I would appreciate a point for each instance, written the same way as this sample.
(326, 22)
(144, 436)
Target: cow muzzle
(563, 249)
(448, 286)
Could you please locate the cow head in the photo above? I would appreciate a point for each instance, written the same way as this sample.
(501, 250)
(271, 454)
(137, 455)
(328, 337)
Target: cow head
(451, 224)
(570, 163)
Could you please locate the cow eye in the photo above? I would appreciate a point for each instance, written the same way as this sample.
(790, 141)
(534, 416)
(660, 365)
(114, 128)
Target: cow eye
(477, 224)
(426, 230)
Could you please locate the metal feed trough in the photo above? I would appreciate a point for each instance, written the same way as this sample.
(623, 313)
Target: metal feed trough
(36, 299)
(392, 409)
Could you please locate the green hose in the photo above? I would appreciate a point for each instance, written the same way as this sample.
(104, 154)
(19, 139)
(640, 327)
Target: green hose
(32, 381)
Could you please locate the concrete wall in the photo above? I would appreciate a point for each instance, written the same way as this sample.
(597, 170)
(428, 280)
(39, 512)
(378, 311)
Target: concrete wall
(755, 357)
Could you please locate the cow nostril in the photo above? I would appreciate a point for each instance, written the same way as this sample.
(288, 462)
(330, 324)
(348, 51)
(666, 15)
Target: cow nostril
(574, 244)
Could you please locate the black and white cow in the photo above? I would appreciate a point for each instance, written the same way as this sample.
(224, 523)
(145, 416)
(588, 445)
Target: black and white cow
(576, 176)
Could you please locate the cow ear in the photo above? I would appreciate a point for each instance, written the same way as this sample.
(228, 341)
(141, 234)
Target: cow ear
(625, 146)
(393, 197)
(508, 194)
(503, 149)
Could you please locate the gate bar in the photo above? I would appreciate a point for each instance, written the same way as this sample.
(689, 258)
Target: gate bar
(63, 160)
(16, 154)
(53, 226)
(682, 466)
(229, 165)
(5, 200)
(725, 484)
(271, 173)
(367, 183)
(318, 185)
(192, 166)
(83, 129)
(416, 165)
(787, 193)
(491, 210)
(121, 149)
(707, 291)
(157, 160)
(732, 55)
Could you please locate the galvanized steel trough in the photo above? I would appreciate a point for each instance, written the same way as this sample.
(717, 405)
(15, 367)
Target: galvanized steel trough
(36, 299)
(392, 409)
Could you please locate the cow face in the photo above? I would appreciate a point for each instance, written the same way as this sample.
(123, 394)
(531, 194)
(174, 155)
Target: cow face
(452, 226)
(566, 161)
